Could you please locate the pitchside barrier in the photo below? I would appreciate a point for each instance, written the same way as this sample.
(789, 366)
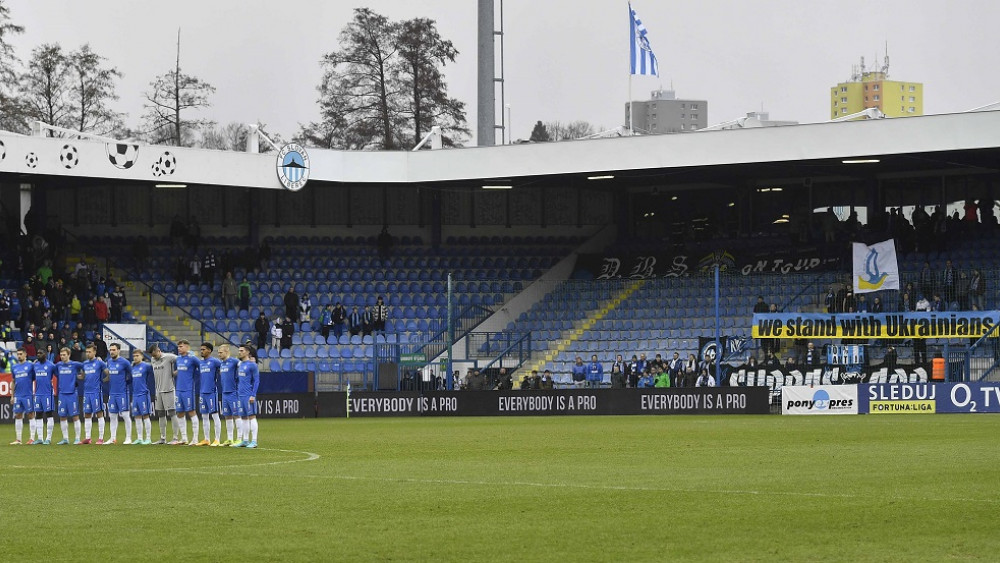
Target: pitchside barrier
(892, 398)
(702, 400)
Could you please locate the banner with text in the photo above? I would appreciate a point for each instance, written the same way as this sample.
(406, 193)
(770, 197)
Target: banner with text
(822, 399)
(702, 400)
(966, 324)
(649, 266)
(930, 398)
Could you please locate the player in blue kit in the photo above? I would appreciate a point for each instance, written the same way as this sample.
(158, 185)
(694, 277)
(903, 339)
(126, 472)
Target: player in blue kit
(230, 399)
(208, 395)
(247, 381)
(68, 373)
(119, 373)
(44, 401)
(94, 372)
(22, 378)
(141, 405)
(186, 367)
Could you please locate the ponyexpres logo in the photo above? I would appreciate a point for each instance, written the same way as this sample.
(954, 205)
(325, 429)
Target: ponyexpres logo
(824, 399)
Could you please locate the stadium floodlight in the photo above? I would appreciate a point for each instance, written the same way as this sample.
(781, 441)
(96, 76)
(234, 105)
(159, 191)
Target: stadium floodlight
(605, 177)
(497, 187)
(170, 186)
(861, 161)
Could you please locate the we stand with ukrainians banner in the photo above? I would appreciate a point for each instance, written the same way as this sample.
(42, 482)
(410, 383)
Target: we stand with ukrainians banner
(964, 324)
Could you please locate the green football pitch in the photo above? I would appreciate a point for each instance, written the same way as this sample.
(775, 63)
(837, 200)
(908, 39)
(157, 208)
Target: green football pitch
(712, 488)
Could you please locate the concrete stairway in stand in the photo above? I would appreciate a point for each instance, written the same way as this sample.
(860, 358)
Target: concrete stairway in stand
(172, 322)
(581, 327)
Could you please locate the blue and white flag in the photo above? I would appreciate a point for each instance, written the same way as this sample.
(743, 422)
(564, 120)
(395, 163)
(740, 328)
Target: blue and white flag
(643, 61)
(875, 266)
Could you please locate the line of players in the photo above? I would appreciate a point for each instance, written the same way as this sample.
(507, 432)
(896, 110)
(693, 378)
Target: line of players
(175, 376)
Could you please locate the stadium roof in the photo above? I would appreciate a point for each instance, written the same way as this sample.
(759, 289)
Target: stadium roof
(937, 144)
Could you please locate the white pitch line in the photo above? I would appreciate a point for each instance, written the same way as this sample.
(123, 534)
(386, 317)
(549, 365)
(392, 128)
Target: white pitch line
(606, 487)
(310, 456)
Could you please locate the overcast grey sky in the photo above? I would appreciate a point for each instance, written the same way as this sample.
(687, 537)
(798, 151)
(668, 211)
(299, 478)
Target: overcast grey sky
(565, 59)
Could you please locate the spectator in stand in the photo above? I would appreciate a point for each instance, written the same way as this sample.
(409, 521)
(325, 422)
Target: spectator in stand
(579, 371)
(705, 379)
(100, 346)
(632, 372)
(675, 367)
(595, 373)
(229, 292)
(690, 371)
(90, 316)
(905, 303)
(287, 331)
(291, 301)
(862, 304)
(367, 321)
(208, 268)
(812, 357)
(305, 308)
(977, 288)
(949, 281)
(620, 362)
(339, 319)
(547, 382)
(29, 346)
(770, 360)
(244, 294)
(276, 333)
(890, 359)
(326, 322)
(657, 365)
(876, 305)
(261, 327)
(194, 269)
(849, 305)
(830, 301)
(118, 303)
(101, 311)
(662, 378)
(937, 304)
(381, 314)
(354, 322)
(533, 382)
(646, 381)
(760, 306)
(76, 346)
(618, 378)
(962, 292)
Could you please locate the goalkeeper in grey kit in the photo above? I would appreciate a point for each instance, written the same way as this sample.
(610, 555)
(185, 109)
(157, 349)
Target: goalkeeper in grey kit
(164, 372)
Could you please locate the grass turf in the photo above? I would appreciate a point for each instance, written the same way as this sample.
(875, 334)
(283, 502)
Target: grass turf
(714, 488)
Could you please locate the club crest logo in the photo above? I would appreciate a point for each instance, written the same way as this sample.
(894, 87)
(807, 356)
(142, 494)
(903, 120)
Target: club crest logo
(293, 167)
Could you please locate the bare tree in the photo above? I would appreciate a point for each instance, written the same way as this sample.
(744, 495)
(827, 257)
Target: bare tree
(11, 109)
(358, 100)
(173, 96)
(45, 86)
(422, 52)
(233, 137)
(569, 131)
(384, 88)
(92, 88)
